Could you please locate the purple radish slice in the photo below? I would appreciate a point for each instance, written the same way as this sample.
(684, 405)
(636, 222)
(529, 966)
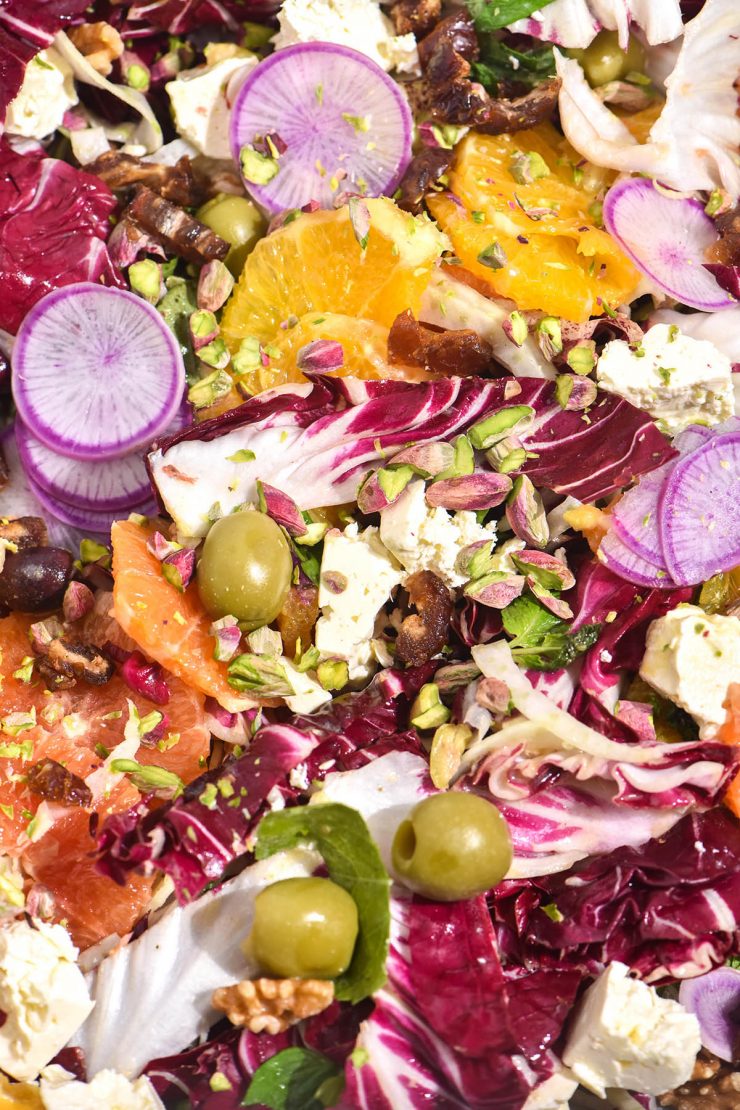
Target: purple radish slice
(635, 516)
(696, 435)
(714, 999)
(699, 512)
(96, 372)
(629, 565)
(85, 519)
(99, 486)
(666, 238)
(345, 124)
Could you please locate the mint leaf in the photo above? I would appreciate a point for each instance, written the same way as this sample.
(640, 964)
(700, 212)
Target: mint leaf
(295, 1079)
(501, 64)
(491, 15)
(528, 621)
(541, 641)
(353, 862)
(310, 560)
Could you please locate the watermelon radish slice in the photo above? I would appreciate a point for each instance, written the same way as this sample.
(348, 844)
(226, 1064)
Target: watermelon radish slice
(86, 519)
(341, 123)
(635, 517)
(699, 515)
(99, 486)
(632, 567)
(96, 372)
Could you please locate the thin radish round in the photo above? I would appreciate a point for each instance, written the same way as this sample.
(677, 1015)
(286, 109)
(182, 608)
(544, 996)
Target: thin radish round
(699, 512)
(96, 372)
(666, 238)
(99, 486)
(335, 121)
(635, 517)
(714, 999)
(85, 519)
(629, 565)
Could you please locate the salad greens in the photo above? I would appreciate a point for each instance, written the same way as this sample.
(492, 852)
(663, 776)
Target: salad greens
(295, 1079)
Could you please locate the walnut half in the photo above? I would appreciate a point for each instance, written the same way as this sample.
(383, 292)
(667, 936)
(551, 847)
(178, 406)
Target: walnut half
(100, 43)
(272, 1005)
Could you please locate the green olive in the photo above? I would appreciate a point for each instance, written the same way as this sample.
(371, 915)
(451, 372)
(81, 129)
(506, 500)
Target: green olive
(245, 568)
(604, 60)
(304, 928)
(452, 846)
(238, 221)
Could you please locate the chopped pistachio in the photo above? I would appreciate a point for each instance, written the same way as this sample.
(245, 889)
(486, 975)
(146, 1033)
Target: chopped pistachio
(493, 256)
(582, 358)
(145, 278)
(333, 674)
(528, 166)
(215, 354)
(550, 336)
(149, 779)
(448, 746)
(484, 434)
(519, 329)
(257, 168)
(394, 482)
(428, 710)
(208, 390)
(249, 356)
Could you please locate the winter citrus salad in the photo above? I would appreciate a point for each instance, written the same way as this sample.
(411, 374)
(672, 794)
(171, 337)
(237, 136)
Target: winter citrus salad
(369, 554)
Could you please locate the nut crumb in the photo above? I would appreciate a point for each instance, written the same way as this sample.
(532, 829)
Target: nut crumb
(100, 43)
(273, 1005)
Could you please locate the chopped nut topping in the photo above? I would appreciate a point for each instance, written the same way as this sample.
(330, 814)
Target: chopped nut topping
(416, 17)
(714, 1085)
(273, 1005)
(424, 633)
(100, 43)
(53, 781)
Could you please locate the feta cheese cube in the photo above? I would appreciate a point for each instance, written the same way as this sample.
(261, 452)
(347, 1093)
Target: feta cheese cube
(358, 574)
(200, 107)
(42, 992)
(357, 23)
(692, 657)
(426, 538)
(677, 379)
(554, 1094)
(626, 1036)
(61, 1091)
(48, 90)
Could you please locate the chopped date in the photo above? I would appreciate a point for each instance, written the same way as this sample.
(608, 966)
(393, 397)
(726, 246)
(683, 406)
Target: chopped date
(73, 660)
(57, 784)
(24, 532)
(416, 17)
(178, 232)
(123, 171)
(422, 176)
(461, 353)
(500, 116)
(423, 634)
(457, 30)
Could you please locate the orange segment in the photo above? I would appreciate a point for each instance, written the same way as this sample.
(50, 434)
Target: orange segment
(315, 263)
(730, 734)
(170, 627)
(553, 259)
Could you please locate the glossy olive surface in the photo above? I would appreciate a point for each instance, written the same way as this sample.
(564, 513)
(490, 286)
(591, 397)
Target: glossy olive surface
(238, 221)
(452, 846)
(245, 568)
(604, 60)
(305, 928)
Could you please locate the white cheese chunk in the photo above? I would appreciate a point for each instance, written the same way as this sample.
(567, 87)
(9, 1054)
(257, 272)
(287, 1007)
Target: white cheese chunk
(554, 1094)
(692, 657)
(61, 1091)
(200, 106)
(47, 92)
(677, 379)
(625, 1035)
(358, 574)
(426, 538)
(309, 694)
(43, 994)
(357, 23)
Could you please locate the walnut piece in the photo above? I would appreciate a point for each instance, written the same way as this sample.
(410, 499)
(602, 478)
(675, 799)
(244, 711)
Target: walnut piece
(100, 43)
(714, 1085)
(417, 17)
(273, 1005)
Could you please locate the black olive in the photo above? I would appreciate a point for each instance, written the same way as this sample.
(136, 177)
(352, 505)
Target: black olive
(34, 580)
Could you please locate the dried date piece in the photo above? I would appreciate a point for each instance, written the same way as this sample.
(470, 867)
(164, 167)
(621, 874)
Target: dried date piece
(178, 232)
(726, 250)
(416, 17)
(456, 30)
(34, 580)
(424, 633)
(73, 660)
(521, 113)
(422, 177)
(461, 353)
(122, 171)
(24, 532)
(56, 784)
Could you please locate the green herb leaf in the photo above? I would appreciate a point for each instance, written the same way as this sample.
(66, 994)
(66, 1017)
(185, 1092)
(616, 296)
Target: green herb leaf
(295, 1079)
(245, 455)
(542, 641)
(353, 861)
(310, 560)
(492, 15)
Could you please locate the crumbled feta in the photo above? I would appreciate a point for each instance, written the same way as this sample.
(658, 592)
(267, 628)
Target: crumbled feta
(309, 694)
(358, 574)
(625, 1035)
(47, 92)
(356, 23)
(42, 993)
(554, 1093)
(200, 107)
(61, 1091)
(425, 538)
(677, 379)
(692, 657)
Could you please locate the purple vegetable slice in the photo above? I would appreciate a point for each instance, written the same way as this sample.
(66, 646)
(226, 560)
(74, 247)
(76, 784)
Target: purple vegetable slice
(96, 372)
(635, 517)
(699, 514)
(715, 1000)
(99, 486)
(666, 238)
(318, 119)
(87, 520)
(629, 565)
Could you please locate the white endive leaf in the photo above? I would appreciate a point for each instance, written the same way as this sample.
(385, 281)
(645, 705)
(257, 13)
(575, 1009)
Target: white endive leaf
(576, 23)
